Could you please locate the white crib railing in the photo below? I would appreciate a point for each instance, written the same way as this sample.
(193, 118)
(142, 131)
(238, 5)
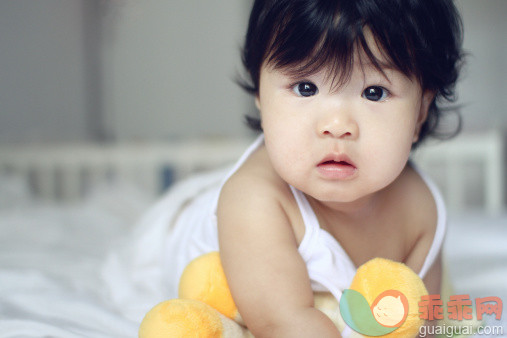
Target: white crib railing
(455, 159)
(65, 172)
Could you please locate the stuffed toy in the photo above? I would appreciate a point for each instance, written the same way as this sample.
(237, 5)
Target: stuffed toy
(382, 300)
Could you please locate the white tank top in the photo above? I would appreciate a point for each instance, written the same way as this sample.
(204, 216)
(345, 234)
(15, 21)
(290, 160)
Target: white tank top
(329, 266)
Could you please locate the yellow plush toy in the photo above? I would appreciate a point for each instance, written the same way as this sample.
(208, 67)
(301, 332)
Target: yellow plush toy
(382, 300)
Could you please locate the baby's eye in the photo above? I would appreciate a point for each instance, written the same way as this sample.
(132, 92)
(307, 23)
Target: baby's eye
(375, 93)
(305, 89)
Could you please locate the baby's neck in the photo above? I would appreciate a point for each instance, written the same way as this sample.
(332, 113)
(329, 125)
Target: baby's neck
(358, 211)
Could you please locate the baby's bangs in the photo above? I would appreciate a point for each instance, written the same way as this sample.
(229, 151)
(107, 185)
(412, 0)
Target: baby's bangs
(328, 35)
(310, 38)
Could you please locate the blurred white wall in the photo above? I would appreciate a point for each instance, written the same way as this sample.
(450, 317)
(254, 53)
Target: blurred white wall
(169, 68)
(43, 75)
(481, 91)
(74, 70)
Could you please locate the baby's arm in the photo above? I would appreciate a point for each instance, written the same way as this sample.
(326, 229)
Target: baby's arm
(415, 260)
(267, 276)
(433, 282)
(433, 279)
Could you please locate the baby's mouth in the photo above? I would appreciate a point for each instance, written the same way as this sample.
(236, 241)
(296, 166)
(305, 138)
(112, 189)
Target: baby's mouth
(337, 167)
(332, 162)
(337, 160)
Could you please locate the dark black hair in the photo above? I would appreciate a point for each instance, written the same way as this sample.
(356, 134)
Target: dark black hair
(420, 38)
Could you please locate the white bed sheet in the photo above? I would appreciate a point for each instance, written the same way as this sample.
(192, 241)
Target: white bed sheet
(51, 257)
(476, 253)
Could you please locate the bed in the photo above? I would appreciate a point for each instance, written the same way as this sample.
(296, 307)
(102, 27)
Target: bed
(65, 209)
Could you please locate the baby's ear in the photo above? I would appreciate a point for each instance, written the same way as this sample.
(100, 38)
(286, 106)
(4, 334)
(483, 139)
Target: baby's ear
(427, 98)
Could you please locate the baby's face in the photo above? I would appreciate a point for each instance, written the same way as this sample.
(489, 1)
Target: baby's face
(389, 311)
(340, 144)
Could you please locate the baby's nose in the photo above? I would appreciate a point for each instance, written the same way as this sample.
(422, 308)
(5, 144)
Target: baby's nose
(338, 126)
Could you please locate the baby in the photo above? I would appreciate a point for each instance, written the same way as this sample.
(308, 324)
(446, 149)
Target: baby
(345, 90)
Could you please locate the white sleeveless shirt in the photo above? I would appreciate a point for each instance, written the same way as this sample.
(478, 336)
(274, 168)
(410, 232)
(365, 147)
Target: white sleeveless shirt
(329, 267)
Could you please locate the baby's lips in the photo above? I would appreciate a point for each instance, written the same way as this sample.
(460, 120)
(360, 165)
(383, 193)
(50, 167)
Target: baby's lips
(337, 158)
(337, 167)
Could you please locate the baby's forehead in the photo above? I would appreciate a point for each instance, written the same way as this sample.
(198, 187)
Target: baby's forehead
(339, 72)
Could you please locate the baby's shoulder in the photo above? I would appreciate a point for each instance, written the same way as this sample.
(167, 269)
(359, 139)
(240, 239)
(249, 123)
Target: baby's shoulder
(256, 192)
(420, 211)
(255, 179)
(255, 202)
(419, 197)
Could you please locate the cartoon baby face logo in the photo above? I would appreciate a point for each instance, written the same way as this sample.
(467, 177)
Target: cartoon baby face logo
(390, 308)
(387, 312)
